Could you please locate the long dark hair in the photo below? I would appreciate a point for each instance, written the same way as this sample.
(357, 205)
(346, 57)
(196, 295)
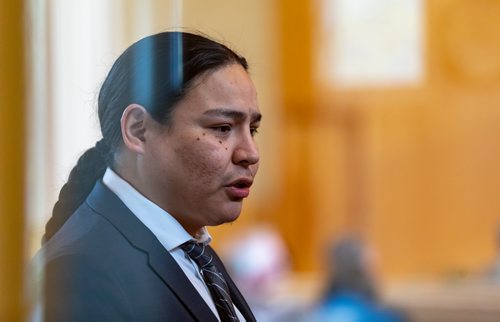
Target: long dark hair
(155, 72)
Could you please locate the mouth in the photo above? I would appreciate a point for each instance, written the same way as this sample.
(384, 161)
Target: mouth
(239, 188)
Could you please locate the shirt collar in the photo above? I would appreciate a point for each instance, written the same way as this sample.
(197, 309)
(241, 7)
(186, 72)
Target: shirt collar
(164, 226)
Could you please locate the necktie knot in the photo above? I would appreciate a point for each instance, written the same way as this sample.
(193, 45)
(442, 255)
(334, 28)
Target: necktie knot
(197, 253)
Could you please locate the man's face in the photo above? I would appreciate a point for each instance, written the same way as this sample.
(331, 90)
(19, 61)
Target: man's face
(201, 166)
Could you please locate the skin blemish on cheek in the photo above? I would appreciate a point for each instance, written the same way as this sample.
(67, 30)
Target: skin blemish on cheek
(197, 139)
(203, 133)
(220, 142)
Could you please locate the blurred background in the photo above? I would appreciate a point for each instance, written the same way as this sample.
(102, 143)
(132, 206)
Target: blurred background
(381, 119)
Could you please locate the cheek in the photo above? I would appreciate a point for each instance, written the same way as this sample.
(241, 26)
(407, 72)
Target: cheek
(201, 161)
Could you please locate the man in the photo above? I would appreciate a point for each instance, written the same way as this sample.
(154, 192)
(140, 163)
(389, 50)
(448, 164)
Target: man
(177, 156)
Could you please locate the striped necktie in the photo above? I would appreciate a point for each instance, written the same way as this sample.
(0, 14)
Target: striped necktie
(214, 280)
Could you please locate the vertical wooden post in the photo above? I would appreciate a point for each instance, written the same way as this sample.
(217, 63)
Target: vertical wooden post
(295, 216)
(12, 160)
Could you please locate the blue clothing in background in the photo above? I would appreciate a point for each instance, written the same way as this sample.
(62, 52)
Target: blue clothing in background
(350, 307)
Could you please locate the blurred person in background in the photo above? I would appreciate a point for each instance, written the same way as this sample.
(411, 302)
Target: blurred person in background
(178, 115)
(259, 262)
(492, 273)
(351, 293)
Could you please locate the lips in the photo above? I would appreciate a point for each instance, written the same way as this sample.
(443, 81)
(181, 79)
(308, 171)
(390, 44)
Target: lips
(240, 188)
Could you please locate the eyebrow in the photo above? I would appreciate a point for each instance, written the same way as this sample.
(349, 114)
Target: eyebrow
(236, 115)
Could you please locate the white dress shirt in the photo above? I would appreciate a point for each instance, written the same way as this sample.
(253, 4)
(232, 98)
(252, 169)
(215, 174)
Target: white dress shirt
(167, 230)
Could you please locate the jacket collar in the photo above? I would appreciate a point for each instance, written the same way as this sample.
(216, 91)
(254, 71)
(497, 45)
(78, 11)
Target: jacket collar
(107, 204)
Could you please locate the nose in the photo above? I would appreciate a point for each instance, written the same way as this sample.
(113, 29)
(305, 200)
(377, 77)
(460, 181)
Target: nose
(246, 152)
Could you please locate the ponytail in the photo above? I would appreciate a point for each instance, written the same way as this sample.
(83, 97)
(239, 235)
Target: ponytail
(82, 178)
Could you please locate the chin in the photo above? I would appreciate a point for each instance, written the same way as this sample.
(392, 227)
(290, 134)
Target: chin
(232, 218)
(229, 214)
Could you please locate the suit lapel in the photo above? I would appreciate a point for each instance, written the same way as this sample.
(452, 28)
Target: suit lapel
(107, 204)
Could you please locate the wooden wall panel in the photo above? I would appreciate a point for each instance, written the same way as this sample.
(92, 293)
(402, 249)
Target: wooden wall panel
(414, 169)
(435, 209)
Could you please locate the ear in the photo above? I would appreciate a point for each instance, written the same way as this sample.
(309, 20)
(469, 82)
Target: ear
(133, 126)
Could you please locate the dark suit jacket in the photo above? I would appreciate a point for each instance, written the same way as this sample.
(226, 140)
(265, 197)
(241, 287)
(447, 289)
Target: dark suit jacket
(105, 265)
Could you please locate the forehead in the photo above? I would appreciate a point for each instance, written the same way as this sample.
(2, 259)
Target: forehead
(229, 87)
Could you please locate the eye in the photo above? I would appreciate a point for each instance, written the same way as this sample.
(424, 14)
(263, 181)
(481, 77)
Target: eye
(254, 131)
(222, 128)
